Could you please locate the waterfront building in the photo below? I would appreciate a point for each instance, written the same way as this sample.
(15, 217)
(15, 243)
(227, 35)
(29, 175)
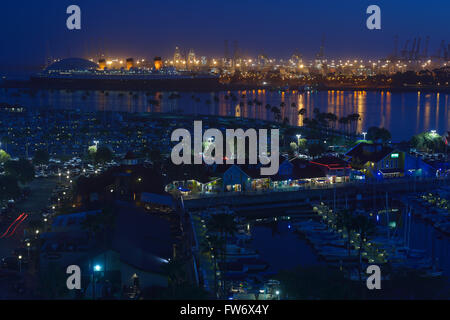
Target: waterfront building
(377, 160)
(244, 178)
(336, 170)
(194, 185)
(297, 172)
(380, 161)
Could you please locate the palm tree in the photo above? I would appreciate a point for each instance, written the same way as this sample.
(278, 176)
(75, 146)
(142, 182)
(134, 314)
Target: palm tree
(276, 113)
(214, 247)
(224, 225)
(364, 227)
(176, 273)
(5, 140)
(344, 220)
(306, 122)
(354, 118)
(302, 111)
(331, 117)
(343, 122)
(316, 112)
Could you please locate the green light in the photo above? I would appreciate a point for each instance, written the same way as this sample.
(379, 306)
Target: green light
(394, 155)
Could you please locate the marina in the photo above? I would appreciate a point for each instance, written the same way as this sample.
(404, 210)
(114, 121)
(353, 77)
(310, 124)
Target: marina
(401, 241)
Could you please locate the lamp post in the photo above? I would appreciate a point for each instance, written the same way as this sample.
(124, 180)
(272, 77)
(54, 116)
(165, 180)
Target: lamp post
(278, 294)
(97, 268)
(20, 264)
(298, 142)
(364, 135)
(28, 249)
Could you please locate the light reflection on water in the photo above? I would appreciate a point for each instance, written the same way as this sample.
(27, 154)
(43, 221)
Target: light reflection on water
(404, 114)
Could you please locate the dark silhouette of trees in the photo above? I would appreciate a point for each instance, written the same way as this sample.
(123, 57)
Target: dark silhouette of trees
(21, 169)
(378, 134)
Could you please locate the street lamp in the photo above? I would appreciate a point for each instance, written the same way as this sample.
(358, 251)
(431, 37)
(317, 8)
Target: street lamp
(28, 249)
(20, 263)
(97, 268)
(364, 135)
(298, 141)
(433, 133)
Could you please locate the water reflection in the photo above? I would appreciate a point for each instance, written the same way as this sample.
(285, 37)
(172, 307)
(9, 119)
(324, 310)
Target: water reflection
(404, 114)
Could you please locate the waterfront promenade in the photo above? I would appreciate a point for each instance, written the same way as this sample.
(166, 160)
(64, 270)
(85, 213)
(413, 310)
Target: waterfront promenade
(305, 194)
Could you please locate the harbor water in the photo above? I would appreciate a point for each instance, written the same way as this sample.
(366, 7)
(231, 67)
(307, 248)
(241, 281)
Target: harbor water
(404, 114)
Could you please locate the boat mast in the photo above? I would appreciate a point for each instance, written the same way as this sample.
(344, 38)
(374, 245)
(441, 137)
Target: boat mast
(387, 217)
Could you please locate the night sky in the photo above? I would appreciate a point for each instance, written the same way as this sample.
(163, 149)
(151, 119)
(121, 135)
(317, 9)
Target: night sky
(32, 30)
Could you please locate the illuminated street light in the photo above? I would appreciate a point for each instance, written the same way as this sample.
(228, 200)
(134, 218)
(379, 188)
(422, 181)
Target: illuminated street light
(97, 267)
(364, 135)
(28, 249)
(298, 142)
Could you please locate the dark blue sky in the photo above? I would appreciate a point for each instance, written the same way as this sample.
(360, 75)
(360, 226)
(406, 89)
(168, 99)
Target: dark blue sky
(30, 30)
